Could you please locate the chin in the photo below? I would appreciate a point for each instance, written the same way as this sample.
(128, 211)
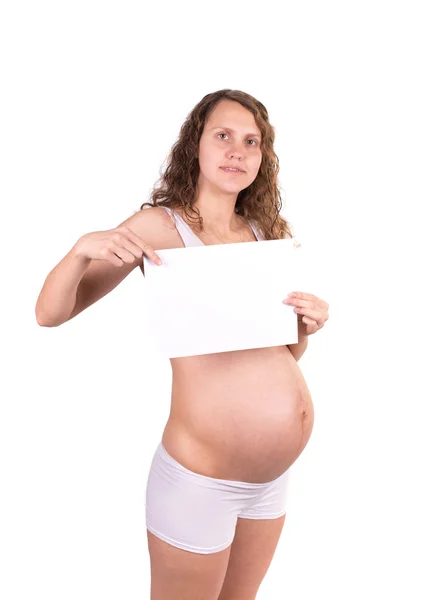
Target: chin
(232, 189)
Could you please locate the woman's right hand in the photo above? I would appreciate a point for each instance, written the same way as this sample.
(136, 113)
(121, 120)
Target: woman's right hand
(118, 246)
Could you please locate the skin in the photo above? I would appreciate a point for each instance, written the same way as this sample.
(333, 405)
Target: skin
(217, 191)
(245, 415)
(227, 406)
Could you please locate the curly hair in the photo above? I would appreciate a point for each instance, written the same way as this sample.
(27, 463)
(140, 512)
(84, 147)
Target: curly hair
(260, 202)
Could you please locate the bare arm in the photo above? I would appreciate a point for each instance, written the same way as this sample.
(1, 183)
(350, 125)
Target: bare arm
(58, 295)
(299, 348)
(77, 282)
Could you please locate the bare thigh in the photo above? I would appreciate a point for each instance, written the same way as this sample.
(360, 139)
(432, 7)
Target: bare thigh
(178, 574)
(252, 551)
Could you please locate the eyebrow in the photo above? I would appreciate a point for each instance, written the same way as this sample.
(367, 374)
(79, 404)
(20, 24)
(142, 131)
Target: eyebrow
(232, 131)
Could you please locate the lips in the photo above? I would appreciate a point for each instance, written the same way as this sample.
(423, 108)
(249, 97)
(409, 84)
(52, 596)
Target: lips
(231, 167)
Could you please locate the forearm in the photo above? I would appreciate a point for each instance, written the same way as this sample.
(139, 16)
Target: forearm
(57, 299)
(298, 349)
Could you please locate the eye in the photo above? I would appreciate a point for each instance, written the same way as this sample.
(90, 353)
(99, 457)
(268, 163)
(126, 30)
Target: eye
(252, 140)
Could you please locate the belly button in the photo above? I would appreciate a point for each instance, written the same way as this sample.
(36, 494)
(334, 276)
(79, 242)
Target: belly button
(304, 411)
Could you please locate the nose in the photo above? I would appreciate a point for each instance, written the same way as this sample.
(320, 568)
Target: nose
(236, 150)
(235, 153)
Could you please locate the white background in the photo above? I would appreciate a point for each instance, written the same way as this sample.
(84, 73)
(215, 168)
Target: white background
(93, 97)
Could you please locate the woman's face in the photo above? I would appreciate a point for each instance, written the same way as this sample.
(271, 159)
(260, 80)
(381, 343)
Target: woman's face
(230, 138)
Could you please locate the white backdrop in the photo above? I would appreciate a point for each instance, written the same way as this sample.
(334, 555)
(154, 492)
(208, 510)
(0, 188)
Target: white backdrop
(94, 95)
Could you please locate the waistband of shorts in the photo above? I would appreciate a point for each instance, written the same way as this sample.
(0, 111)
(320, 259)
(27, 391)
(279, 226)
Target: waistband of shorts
(245, 484)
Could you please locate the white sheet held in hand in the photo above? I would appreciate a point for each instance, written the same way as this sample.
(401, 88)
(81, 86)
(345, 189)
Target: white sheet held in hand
(222, 297)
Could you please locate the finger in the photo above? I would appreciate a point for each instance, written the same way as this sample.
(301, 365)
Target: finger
(146, 248)
(308, 312)
(303, 303)
(123, 241)
(305, 296)
(110, 256)
(149, 253)
(132, 237)
(310, 298)
(312, 326)
(122, 253)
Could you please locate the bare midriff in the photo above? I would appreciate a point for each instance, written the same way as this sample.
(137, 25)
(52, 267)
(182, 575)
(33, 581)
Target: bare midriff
(242, 416)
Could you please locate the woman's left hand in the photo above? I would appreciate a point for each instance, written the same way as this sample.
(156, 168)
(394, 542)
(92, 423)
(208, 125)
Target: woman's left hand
(312, 311)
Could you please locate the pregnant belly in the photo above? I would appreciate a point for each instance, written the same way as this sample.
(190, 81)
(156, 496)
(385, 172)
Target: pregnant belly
(243, 418)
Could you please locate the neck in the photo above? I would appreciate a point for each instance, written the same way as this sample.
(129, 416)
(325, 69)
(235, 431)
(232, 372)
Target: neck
(217, 209)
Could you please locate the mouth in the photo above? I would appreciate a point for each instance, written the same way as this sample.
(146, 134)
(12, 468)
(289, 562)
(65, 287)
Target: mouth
(232, 171)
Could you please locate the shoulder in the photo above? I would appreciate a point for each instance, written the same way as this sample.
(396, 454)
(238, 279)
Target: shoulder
(156, 227)
(152, 224)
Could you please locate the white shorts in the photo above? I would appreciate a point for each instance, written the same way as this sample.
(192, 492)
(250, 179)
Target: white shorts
(199, 513)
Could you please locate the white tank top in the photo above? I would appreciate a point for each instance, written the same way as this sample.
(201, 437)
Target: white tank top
(189, 238)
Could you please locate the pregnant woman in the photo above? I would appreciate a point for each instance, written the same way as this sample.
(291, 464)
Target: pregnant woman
(217, 487)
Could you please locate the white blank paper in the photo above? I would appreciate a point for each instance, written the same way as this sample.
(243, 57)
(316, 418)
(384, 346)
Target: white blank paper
(220, 298)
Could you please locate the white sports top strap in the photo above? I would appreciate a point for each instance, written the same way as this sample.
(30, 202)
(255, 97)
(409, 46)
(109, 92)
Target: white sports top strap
(191, 239)
(186, 233)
